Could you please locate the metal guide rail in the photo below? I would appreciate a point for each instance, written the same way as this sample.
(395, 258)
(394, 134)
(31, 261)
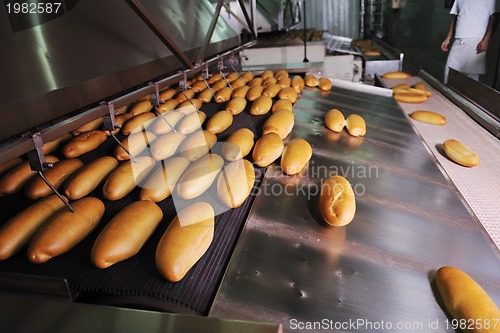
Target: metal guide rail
(377, 272)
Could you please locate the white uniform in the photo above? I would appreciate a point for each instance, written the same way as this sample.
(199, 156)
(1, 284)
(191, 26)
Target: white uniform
(472, 22)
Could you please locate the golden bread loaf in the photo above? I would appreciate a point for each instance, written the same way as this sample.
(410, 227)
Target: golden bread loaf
(337, 202)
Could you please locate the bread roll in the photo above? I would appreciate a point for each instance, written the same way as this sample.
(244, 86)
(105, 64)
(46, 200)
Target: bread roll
(140, 121)
(261, 105)
(238, 83)
(460, 153)
(219, 122)
(401, 86)
(236, 105)
(87, 178)
(184, 95)
(166, 145)
(135, 143)
(223, 95)
(281, 74)
(51, 146)
(423, 87)
(428, 117)
(13, 180)
(232, 77)
(467, 301)
(205, 96)
(257, 81)
(267, 74)
(168, 105)
(192, 122)
(90, 126)
(285, 82)
(16, 232)
(119, 120)
(410, 97)
(325, 84)
(396, 75)
(254, 93)
(288, 93)
(337, 203)
(311, 80)
(238, 144)
(56, 176)
(272, 90)
(163, 124)
(65, 229)
(83, 143)
(298, 83)
(163, 180)
(181, 247)
(214, 78)
(269, 81)
(219, 85)
(198, 86)
(247, 76)
(334, 120)
(167, 94)
(126, 177)
(295, 156)
(140, 107)
(197, 144)
(282, 104)
(355, 125)
(191, 106)
(235, 183)
(199, 176)
(10, 164)
(280, 122)
(126, 233)
(240, 92)
(267, 149)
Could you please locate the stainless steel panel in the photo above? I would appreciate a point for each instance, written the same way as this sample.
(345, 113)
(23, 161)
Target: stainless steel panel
(289, 267)
(93, 51)
(23, 314)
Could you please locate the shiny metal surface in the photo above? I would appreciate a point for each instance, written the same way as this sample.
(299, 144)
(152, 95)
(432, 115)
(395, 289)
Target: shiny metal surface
(375, 274)
(94, 51)
(36, 315)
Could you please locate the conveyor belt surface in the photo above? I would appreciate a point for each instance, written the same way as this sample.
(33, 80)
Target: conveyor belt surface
(375, 274)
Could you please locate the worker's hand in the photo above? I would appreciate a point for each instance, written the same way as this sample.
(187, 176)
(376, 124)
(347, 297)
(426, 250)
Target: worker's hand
(444, 45)
(482, 46)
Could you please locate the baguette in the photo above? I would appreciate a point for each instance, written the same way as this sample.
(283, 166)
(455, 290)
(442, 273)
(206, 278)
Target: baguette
(126, 233)
(467, 301)
(51, 146)
(205, 96)
(396, 75)
(280, 122)
(181, 247)
(65, 229)
(295, 156)
(56, 176)
(460, 153)
(240, 92)
(126, 177)
(163, 180)
(192, 122)
(261, 105)
(422, 86)
(267, 149)
(334, 120)
(219, 122)
(87, 178)
(254, 93)
(197, 144)
(13, 180)
(311, 80)
(236, 105)
(199, 176)
(355, 125)
(135, 143)
(235, 183)
(17, 232)
(428, 117)
(288, 93)
(410, 97)
(337, 202)
(83, 143)
(298, 83)
(238, 144)
(282, 104)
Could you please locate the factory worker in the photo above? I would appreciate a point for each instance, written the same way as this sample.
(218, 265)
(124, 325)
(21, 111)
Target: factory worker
(472, 25)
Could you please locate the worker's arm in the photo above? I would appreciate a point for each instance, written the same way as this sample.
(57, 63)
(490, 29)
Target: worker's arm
(492, 23)
(446, 42)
